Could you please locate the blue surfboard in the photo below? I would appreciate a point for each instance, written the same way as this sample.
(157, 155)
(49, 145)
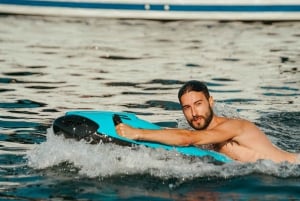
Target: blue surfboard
(99, 126)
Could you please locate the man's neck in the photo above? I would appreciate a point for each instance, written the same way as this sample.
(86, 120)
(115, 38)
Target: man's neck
(216, 120)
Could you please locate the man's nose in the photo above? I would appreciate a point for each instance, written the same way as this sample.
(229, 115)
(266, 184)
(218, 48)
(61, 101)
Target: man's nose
(193, 111)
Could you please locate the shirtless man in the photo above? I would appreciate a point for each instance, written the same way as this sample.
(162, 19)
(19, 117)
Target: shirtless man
(239, 139)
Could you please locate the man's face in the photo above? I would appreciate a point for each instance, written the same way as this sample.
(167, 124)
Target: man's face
(197, 109)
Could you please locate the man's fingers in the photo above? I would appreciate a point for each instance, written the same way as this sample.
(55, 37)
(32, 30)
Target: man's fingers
(120, 129)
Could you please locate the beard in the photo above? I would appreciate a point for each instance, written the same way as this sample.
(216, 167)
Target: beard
(207, 119)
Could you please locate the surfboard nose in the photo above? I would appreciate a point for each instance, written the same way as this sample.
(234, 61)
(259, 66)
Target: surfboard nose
(82, 128)
(76, 127)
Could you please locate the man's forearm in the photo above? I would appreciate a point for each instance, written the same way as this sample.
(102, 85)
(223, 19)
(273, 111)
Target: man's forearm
(176, 137)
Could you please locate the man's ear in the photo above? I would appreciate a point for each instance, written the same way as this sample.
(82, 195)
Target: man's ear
(211, 101)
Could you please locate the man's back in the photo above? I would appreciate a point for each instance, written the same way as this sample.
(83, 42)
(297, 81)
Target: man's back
(250, 144)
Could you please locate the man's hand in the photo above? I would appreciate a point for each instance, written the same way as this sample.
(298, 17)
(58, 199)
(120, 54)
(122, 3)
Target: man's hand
(127, 131)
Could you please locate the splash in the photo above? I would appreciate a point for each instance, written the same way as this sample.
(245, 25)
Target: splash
(105, 160)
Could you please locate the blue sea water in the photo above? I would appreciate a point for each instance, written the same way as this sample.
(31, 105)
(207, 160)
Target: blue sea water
(52, 65)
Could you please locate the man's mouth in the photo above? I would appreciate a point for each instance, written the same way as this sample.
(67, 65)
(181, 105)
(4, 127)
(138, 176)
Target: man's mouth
(197, 118)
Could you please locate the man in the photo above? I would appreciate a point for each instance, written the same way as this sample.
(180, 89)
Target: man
(239, 139)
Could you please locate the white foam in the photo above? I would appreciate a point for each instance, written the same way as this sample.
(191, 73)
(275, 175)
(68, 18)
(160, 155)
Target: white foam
(104, 160)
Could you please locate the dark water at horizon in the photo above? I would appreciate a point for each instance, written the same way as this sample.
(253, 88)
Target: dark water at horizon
(52, 65)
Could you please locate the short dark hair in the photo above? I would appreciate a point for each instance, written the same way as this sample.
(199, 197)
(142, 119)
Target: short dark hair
(193, 85)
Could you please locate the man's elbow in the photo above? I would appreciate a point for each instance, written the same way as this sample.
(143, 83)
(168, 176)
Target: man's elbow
(186, 141)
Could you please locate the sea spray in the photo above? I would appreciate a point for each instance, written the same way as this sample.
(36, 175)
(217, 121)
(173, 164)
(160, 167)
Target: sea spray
(105, 160)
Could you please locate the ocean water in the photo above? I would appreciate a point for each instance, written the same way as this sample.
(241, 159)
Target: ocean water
(51, 65)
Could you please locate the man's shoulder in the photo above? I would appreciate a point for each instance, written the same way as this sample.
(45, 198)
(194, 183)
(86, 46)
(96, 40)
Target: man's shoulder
(233, 122)
(237, 120)
(222, 119)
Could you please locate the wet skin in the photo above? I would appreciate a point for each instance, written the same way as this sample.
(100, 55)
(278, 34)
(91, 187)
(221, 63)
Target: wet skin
(239, 139)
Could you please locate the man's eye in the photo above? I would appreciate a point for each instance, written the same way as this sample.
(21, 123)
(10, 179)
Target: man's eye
(185, 108)
(198, 103)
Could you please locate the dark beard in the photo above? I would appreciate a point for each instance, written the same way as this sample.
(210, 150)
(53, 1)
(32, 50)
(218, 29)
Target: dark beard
(206, 121)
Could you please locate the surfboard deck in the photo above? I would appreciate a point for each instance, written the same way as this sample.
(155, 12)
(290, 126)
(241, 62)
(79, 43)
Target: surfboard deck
(99, 127)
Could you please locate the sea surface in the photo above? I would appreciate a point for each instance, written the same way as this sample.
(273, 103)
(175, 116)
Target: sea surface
(51, 65)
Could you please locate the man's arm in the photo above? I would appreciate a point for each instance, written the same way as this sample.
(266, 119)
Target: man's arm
(177, 137)
(181, 137)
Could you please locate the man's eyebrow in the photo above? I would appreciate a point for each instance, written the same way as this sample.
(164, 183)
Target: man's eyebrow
(185, 106)
(197, 101)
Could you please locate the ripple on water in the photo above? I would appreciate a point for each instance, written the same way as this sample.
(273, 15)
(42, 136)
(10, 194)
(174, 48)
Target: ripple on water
(83, 54)
(122, 84)
(17, 124)
(6, 90)
(166, 105)
(22, 73)
(283, 126)
(239, 100)
(24, 103)
(7, 80)
(280, 91)
(165, 82)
